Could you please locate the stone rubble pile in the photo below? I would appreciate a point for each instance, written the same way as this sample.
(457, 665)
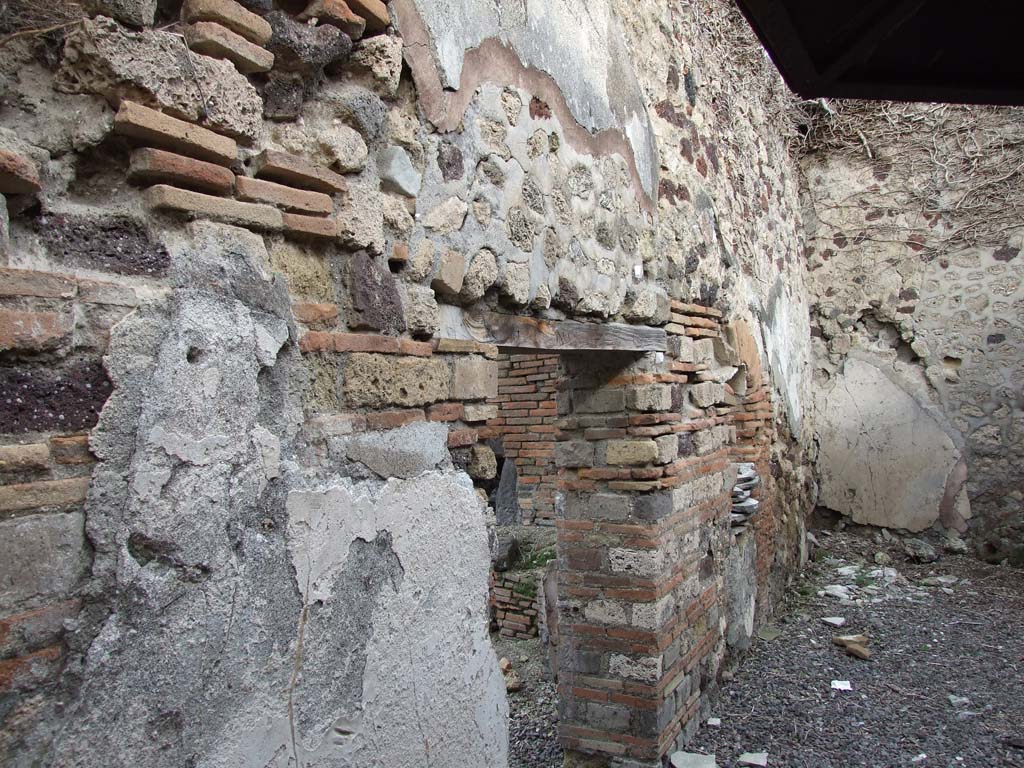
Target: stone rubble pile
(744, 505)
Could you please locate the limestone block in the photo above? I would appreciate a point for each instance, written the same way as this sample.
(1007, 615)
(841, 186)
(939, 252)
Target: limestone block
(482, 272)
(450, 273)
(475, 378)
(631, 452)
(397, 173)
(647, 303)
(380, 380)
(321, 139)
(403, 452)
(381, 57)
(42, 556)
(448, 216)
(421, 312)
(102, 57)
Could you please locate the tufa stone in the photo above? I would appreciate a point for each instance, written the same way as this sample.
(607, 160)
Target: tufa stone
(450, 273)
(482, 272)
(381, 58)
(421, 312)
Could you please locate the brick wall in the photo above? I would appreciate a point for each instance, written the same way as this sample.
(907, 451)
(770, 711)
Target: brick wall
(525, 424)
(514, 606)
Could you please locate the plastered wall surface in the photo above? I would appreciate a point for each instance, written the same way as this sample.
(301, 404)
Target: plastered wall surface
(238, 464)
(914, 269)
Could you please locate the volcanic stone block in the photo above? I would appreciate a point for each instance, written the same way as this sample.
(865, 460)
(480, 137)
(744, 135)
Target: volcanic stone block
(302, 48)
(375, 301)
(115, 244)
(40, 398)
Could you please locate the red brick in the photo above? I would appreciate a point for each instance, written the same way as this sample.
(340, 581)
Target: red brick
(289, 198)
(155, 127)
(316, 341)
(392, 419)
(24, 673)
(315, 314)
(71, 449)
(289, 169)
(46, 493)
(231, 15)
(444, 412)
(212, 39)
(252, 215)
(18, 175)
(399, 254)
(34, 629)
(27, 282)
(309, 227)
(336, 13)
(459, 438)
(375, 13)
(30, 330)
(365, 342)
(415, 348)
(31, 456)
(157, 166)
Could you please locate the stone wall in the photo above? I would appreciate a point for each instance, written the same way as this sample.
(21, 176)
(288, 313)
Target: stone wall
(246, 250)
(914, 218)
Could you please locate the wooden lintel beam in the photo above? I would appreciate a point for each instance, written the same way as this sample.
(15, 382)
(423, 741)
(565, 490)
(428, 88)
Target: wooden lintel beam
(515, 332)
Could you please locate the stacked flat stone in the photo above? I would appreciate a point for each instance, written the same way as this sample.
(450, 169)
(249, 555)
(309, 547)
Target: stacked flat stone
(744, 506)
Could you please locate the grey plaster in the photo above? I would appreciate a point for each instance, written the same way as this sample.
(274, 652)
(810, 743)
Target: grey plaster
(403, 452)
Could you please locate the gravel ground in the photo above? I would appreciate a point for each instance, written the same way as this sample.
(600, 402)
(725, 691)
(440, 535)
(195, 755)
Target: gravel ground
(533, 711)
(944, 687)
